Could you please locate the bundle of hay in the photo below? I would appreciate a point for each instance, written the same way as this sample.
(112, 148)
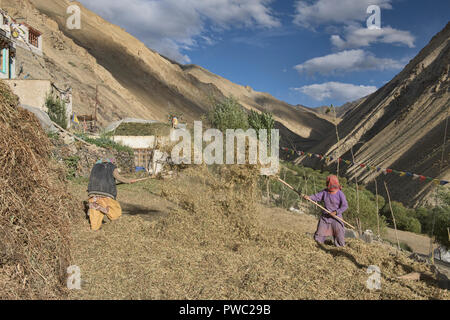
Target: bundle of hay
(34, 208)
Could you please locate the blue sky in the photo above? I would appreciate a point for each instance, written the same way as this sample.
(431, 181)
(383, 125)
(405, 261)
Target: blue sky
(311, 52)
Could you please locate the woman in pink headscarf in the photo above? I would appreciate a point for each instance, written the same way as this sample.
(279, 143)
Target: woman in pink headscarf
(335, 202)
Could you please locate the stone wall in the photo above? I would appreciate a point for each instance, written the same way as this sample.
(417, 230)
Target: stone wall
(34, 93)
(31, 93)
(66, 148)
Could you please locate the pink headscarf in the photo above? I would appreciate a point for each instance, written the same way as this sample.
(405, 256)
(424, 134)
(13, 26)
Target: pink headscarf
(333, 183)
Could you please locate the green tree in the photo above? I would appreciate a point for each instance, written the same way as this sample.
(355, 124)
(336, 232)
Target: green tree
(260, 121)
(405, 218)
(228, 114)
(255, 121)
(442, 223)
(56, 110)
(442, 215)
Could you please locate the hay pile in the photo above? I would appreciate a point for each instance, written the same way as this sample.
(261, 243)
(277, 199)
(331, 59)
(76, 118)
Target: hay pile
(34, 208)
(219, 208)
(217, 249)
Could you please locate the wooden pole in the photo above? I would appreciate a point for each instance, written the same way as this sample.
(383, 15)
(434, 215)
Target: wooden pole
(337, 135)
(436, 189)
(318, 205)
(378, 209)
(357, 197)
(392, 213)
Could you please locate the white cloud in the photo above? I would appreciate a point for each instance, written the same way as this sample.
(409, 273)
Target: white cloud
(350, 13)
(334, 11)
(170, 26)
(364, 37)
(336, 91)
(346, 61)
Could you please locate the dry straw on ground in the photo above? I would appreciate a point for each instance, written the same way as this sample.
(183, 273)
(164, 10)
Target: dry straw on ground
(34, 208)
(208, 242)
(229, 254)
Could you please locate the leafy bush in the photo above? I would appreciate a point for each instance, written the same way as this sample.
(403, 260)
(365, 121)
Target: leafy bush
(442, 218)
(405, 218)
(228, 114)
(105, 142)
(403, 245)
(367, 208)
(441, 225)
(72, 166)
(413, 225)
(53, 135)
(142, 129)
(56, 110)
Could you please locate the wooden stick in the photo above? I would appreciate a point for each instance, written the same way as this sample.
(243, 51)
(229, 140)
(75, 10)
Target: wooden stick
(392, 213)
(318, 205)
(71, 134)
(378, 210)
(138, 180)
(143, 179)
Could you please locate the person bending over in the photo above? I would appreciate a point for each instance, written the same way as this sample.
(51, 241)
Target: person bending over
(102, 192)
(334, 201)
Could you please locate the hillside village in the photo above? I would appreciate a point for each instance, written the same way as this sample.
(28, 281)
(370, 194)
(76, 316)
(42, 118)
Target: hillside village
(66, 102)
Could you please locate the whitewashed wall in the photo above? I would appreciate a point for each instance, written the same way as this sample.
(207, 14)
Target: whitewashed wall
(136, 142)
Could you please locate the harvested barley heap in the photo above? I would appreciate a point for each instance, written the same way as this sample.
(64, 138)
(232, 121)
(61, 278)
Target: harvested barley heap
(34, 208)
(223, 252)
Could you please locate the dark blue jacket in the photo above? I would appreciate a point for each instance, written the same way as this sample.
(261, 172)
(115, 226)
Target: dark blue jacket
(102, 181)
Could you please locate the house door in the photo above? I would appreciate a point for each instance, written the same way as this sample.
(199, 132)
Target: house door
(11, 68)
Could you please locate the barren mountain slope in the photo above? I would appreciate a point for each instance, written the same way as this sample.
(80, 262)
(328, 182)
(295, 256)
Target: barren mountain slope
(67, 64)
(401, 126)
(299, 119)
(127, 88)
(138, 81)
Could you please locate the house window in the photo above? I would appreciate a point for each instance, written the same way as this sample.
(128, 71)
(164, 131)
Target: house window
(33, 38)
